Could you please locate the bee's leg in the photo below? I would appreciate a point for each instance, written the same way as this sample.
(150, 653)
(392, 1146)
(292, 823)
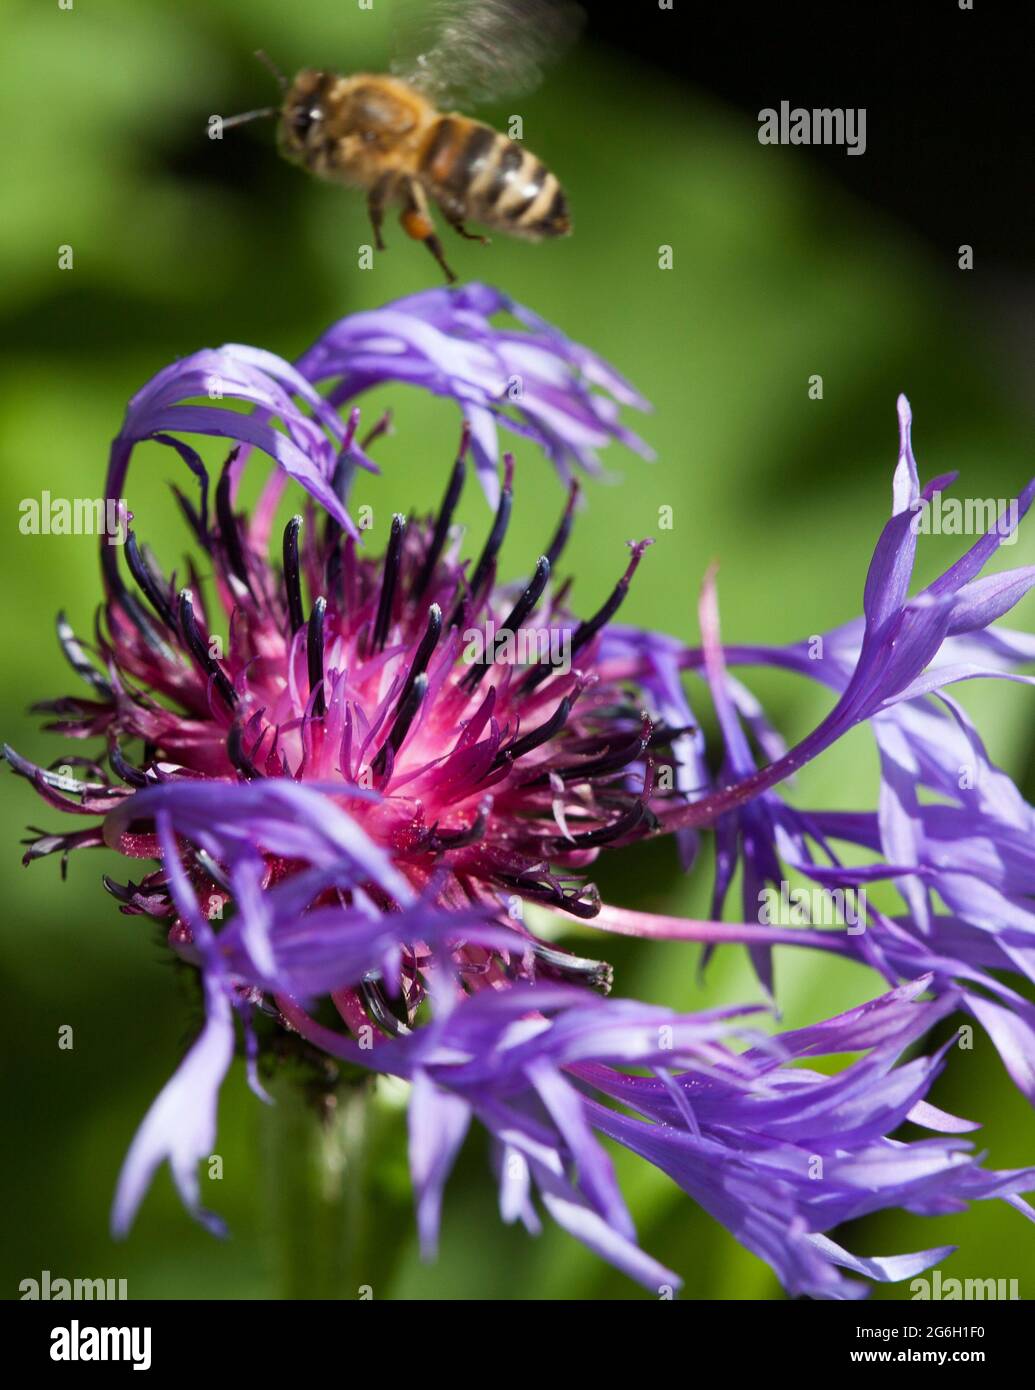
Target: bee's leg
(470, 236)
(376, 200)
(454, 215)
(416, 223)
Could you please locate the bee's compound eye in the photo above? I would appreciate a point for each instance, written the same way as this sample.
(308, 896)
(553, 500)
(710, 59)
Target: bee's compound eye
(303, 118)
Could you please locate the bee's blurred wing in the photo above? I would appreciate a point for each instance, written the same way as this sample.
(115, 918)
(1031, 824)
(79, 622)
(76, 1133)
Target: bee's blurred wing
(468, 52)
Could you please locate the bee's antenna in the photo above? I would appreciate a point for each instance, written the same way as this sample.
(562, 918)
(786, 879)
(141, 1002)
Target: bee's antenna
(246, 116)
(268, 62)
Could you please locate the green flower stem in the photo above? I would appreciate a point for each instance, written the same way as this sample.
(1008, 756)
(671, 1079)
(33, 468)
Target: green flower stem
(316, 1162)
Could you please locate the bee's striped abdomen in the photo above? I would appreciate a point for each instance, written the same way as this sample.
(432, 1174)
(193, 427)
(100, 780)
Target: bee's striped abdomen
(473, 171)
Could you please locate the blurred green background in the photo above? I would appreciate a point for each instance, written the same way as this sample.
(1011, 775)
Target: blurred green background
(181, 242)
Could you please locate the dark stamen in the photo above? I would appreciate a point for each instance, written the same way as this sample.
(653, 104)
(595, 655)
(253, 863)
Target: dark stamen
(404, 716)
(192, 518)
(60, 781)
(613, 760)
(78, 660)
(332, 573)
(125, 770)
(145, 577)
(293, 575)
(124, 892)
(445, 515)
(314, 656)
(560, 539)
(380, 1009)
(462, 607)
(342, 479)
(110, 572)
(422, 655)
(580, 902)
(197, 518)
(487, 559)
(199, 650)
(515, 618)
(456, 839)
(597, 974)
(229, 529)
(535, 737)
(664, 734)
(237, 755)
(589, 839)
(560, 597)
(391, 575)
(131, 606)
(587, 630)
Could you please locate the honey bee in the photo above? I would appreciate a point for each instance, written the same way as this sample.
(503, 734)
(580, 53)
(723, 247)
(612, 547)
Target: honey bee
(385, 133)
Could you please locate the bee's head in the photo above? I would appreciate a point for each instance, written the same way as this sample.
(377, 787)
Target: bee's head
(302, 114)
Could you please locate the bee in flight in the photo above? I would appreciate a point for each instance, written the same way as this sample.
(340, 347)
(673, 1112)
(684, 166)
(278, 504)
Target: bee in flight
(385, 134)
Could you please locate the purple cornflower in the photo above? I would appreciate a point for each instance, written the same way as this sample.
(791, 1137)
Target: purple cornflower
(951, 831)
(349, 802)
